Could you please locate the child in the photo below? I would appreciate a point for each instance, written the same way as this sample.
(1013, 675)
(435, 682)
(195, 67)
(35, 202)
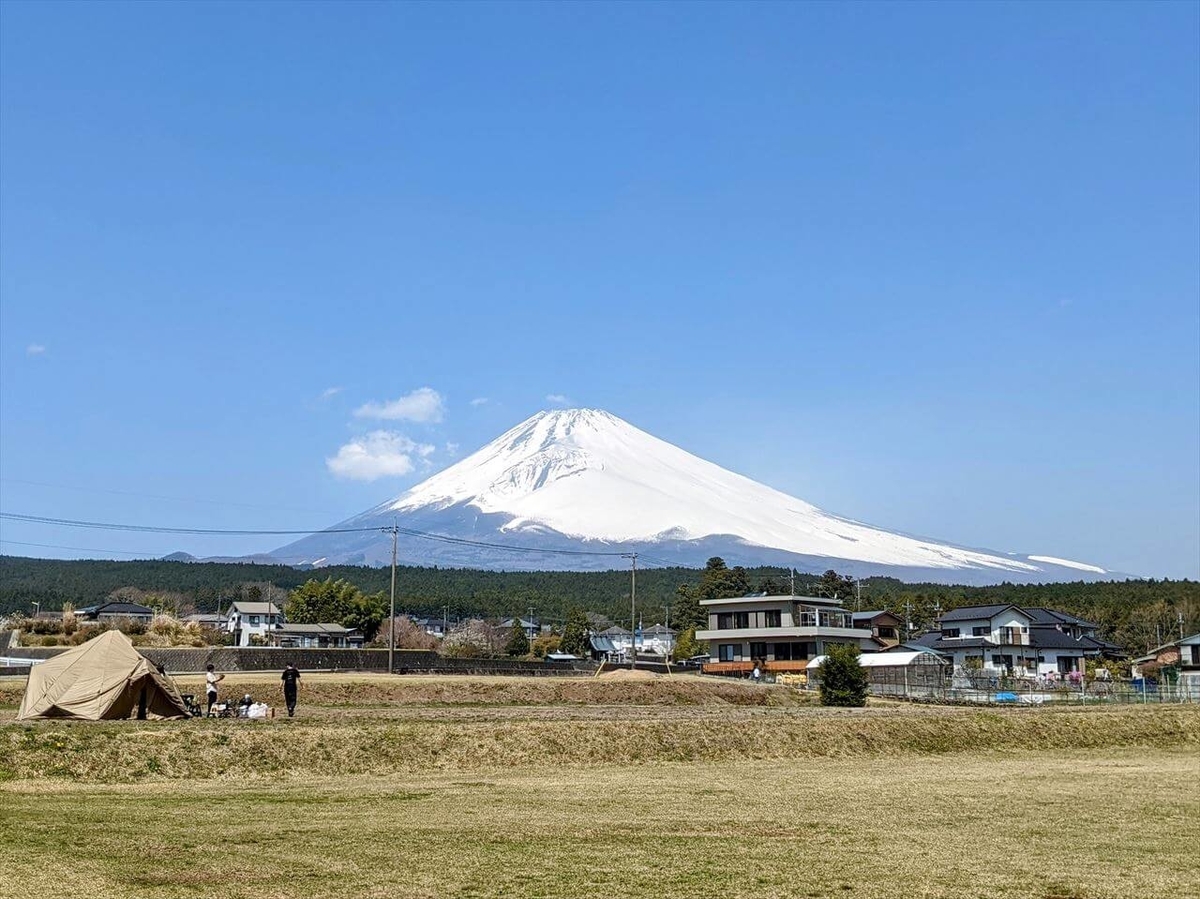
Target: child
(211, 679)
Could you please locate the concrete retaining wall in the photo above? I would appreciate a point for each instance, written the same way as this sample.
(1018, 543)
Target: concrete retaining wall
(184, 660)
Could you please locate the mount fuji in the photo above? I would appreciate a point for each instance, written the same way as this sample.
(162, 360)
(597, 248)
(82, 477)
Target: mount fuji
(584, 481)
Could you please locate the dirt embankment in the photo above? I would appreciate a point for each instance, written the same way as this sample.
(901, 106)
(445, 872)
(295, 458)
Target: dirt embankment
(131, 751)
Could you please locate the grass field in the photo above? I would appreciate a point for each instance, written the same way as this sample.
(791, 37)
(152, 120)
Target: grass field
(428, 787)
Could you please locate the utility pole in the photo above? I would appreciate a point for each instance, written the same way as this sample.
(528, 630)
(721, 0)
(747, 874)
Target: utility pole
(445, 621)
(392, 610)
(792, 575)
(1180, 619)
(633, 614)
(857, 595)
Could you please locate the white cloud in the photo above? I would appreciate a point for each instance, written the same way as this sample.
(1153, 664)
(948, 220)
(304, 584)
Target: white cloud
(452, 449)
(330, 392)
(422, 405)
(479, 401)
(35, 349)
(557, 399)
(379, 454)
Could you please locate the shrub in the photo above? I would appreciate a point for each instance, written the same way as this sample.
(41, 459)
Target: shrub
(843, 679)
(687, 645)
(546, 643)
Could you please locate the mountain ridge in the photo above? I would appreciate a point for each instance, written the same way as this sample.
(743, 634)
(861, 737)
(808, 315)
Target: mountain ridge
(577, 481)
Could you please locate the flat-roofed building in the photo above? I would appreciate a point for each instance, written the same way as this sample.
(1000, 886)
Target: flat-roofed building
(778, 633)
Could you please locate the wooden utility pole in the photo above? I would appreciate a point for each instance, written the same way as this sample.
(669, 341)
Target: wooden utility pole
(633, 614)
(392, 608)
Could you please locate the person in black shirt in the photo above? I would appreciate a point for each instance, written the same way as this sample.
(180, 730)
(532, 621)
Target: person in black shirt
(291, 683)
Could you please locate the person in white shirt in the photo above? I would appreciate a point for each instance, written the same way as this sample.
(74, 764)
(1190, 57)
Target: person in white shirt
(211, 679)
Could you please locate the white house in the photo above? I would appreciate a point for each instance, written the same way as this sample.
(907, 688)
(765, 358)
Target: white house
(253, 619)
(657, 639)
(1004, 639)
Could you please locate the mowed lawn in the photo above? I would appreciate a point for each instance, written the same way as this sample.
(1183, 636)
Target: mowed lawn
(705, 791)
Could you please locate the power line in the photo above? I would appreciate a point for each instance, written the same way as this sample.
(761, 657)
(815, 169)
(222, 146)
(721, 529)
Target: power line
(248, 532)
(83, 549)
(155, 529)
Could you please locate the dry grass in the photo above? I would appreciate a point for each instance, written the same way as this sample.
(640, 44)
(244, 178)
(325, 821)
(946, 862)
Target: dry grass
(120, 751)
(365, 690)
(413, 787)
(1087, 825)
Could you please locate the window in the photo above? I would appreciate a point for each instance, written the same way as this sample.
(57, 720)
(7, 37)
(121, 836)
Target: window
(730, 652)
(950, 632)
(980, 631)
(758, 650)
(254, 621)
(783, 652)
(769, 618)
(730, 620)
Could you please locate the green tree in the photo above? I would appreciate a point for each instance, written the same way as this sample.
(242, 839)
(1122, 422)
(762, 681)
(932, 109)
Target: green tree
(368, 614)
(843, 679)
(686, 611)
(687, 645)
(322, 602)
(575, 636)
(518, 642)
(835, 586)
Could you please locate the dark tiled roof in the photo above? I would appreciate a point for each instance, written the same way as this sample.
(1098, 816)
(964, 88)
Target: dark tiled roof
(952, 643)
(873, 614)
(1042, 615)
(123, 608)
(1050, 638)
(330, 629)
(968, 613)
(926, 640)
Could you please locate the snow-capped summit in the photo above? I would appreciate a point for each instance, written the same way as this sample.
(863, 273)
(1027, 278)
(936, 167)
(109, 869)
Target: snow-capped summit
(583, 479)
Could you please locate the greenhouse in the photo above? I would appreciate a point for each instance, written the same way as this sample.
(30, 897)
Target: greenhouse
(922, 673)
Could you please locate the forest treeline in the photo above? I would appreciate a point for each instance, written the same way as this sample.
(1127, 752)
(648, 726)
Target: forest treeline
(1136, 614)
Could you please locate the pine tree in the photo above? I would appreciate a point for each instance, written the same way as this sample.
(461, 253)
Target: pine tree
(843, 679)
(575, 637)
(518, 642)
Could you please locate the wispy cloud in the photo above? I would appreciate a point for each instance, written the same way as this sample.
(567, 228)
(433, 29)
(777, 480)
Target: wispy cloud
(557, 399)
(422, 405)
(452, 449)
(331, 392)
(479, 401)
(379, 454)
(35, 349)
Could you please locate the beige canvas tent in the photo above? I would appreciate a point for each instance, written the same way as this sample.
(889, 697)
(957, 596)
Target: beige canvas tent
(103, 678)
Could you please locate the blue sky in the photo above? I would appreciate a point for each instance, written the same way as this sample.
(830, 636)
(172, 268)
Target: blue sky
(934, 267)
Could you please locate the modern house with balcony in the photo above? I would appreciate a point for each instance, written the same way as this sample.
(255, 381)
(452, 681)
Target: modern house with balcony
(779, 633)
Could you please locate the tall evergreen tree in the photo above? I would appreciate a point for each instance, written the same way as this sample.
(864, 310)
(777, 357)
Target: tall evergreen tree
(843, 679)
(575, 636)
(518, 641)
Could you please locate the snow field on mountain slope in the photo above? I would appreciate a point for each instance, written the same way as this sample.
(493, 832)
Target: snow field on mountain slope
(587, 474)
